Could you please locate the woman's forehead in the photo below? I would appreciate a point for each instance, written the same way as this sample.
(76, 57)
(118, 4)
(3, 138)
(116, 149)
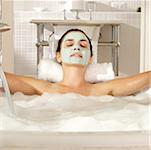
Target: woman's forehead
(75, 35)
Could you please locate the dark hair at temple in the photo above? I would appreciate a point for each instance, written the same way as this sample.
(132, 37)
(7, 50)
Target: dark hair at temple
(61, 39)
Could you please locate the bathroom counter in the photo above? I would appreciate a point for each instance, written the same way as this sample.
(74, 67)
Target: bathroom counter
(77, 22)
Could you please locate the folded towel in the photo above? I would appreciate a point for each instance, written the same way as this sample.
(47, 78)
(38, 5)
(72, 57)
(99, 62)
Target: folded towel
(99, 72)
(49, 69)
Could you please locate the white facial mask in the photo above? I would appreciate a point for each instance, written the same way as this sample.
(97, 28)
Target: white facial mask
(75, 48)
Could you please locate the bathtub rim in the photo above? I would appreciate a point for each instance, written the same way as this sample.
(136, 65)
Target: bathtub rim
(89, 139)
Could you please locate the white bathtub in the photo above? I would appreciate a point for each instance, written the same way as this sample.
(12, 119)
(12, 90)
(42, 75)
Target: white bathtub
(108, 136)
(10, 140)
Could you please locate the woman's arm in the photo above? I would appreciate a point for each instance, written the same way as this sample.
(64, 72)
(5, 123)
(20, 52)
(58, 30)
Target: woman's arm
(128, 85)
(131, 85)
(26, 85)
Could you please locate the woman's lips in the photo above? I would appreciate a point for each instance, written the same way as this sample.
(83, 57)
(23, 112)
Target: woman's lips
(76, 55)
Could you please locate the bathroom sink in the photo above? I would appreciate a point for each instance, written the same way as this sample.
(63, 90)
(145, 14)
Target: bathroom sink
(90, 27)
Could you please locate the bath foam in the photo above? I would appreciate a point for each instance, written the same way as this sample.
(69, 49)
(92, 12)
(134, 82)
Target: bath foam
(73, 112)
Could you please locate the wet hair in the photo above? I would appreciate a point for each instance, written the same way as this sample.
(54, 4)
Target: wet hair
(71, 30)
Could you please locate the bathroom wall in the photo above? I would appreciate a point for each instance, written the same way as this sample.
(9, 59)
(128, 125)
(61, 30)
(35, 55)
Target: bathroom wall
(119, 5)
(25, 33)
(7, 37)
(129, 52)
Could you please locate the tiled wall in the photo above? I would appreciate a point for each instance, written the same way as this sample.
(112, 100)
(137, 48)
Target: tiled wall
(25, 36)
(25, 50)
(130, 5)
(28, 5)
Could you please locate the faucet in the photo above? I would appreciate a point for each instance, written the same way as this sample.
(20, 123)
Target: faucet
(91, 7)
(64, 14)
(90, 13)
(77, 13)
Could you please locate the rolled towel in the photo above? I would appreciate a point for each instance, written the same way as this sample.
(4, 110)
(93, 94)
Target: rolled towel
(99, 72)
(49, 69)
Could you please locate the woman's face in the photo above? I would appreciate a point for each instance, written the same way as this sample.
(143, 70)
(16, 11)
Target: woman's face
(75, 49)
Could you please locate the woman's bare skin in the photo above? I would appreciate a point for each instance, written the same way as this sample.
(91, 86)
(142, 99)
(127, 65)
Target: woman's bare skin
(117, 87)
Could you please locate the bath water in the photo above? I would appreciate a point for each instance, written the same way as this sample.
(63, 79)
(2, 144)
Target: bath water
(72, 112)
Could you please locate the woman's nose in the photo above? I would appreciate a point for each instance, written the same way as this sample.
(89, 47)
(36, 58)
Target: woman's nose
(76, 49)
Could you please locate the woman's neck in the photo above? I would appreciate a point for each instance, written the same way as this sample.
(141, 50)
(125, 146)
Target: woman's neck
(73, 76)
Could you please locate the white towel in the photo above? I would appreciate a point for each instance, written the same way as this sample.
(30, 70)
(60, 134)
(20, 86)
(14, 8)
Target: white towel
(99, 72)
(50, 70)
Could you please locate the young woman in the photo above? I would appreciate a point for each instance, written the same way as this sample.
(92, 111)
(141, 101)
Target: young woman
(74, 52)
